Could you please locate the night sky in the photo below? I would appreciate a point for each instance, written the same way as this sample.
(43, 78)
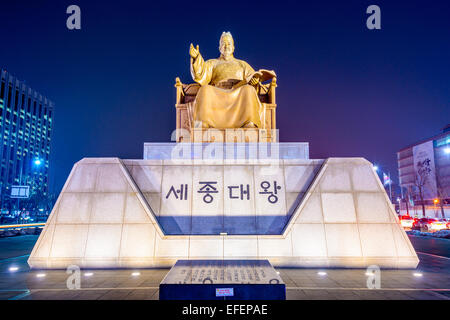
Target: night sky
(346, 90)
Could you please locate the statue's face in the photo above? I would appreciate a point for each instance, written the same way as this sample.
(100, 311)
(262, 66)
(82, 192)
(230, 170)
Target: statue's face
(226, 46)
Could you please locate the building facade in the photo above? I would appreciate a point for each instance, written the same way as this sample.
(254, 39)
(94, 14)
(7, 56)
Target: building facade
(26, 125)
(426, 165)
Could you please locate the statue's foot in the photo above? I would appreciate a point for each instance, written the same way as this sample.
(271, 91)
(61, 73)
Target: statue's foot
(249, 124)
(201, 124)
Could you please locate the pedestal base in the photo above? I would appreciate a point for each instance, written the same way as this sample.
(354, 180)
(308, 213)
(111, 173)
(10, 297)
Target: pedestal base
(151, 213)
(226, 151)
(222, 280)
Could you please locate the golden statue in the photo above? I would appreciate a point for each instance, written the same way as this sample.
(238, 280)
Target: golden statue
(228, 95)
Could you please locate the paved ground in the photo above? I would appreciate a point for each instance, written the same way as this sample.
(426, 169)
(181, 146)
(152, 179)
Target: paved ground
(301, 283)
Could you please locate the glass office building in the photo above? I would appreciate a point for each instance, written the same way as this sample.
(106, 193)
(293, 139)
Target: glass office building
(26, 125)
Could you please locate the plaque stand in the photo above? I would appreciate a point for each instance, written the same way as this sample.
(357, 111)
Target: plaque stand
(222, 280)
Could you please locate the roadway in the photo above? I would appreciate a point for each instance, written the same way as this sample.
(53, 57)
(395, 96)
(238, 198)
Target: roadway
(302, 284)
(431, 245)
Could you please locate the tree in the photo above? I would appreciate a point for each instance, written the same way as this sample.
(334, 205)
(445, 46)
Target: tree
(442, 194)
(421, 179)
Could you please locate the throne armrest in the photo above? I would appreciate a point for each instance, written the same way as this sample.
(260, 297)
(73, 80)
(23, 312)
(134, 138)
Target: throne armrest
(271, 93)
(185, 92)
(266, 92)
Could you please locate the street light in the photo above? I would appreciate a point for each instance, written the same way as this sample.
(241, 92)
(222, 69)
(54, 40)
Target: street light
(386, 180)
(37, 162)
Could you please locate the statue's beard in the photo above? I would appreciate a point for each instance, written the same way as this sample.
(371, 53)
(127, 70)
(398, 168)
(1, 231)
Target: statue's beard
(227, 52)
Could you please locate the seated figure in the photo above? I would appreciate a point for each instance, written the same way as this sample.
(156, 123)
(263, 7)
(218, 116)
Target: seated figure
(228, 95)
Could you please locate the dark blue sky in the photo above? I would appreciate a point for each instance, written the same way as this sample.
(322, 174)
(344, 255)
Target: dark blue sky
(347, 90)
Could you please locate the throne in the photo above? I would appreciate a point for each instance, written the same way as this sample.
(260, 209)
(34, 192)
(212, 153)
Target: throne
(186, 132)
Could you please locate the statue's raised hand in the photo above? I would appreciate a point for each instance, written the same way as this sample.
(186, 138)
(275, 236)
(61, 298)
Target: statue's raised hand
(194, 52)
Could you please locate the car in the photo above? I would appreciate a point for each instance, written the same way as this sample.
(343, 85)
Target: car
(417, 223)
(429, 225)
(8, 219)
(439, 225)
(447, 222)
(406, 221)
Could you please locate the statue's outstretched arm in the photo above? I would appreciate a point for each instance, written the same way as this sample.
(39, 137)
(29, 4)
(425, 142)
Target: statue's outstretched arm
(201, 71)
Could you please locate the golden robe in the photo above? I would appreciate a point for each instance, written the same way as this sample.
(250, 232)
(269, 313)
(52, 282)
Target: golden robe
(218, 104)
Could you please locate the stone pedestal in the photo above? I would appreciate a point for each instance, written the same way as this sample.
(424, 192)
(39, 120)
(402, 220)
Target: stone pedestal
(225, 151)
(222, 280)
(292, 212)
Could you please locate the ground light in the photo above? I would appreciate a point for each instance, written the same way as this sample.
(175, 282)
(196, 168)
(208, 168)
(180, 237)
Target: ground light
(322, 273)
(40, 275)
(13, 269)
(135, 274)
(417, 274)
(88, 274)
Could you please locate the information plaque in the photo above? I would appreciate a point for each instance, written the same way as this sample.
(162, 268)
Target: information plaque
(222, 279)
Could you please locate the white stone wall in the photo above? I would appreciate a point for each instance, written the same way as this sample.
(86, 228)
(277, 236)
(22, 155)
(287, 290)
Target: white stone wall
(347, 214)
(112, 213)
(264, 210)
